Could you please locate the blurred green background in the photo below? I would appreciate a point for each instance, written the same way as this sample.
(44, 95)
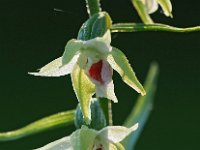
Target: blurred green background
(32, 34)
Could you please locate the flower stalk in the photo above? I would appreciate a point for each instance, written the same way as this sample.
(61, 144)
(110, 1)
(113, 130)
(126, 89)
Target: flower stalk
(106, 106)
(93, 7)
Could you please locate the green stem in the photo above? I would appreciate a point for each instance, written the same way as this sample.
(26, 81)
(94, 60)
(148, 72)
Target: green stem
(106, 105)
(93, 7)
(136, 27)
(47, 123)
(110, 122)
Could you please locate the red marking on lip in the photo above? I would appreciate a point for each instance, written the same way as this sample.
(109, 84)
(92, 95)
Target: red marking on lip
(95, 71)
(100, 148)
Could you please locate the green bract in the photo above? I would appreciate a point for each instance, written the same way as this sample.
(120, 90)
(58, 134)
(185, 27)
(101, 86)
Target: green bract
(94, 27)
(97, 116)
(88, 139)
(90, 64)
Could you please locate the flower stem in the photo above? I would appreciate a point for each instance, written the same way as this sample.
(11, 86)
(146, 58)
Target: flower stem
(106, 105)
(110, 121)
(93, 7)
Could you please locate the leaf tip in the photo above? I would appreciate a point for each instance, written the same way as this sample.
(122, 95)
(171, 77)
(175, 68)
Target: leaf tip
(143, 92)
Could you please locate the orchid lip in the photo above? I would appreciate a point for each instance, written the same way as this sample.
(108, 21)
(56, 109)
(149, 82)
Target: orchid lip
(95, 71)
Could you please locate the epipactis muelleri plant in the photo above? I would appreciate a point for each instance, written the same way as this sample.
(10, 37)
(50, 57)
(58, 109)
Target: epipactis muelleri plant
(90, 60)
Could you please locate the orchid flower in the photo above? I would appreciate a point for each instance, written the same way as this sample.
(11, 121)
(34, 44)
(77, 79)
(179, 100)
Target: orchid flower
(90, 64)
(107, 138)
(152, 6)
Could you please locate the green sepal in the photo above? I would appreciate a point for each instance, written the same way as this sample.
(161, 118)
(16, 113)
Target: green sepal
(98, 120)
(84, 90)
(95, 26)
(166, 6)
(119, 62)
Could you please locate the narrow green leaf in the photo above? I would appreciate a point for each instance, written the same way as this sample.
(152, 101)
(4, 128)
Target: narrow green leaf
(119, 62)
(84, 90)
(166, 6)
(142, 11)
(71, 49)
(142, 108)
(136, 27)
(54, 121)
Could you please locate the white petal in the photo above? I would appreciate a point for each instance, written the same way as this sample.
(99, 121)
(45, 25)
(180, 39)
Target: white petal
(151, 5)
(99, 44)
(116, 134)
(107, 38)
(106, 72)
(107, 91)
(61, 144)
(55, 68)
